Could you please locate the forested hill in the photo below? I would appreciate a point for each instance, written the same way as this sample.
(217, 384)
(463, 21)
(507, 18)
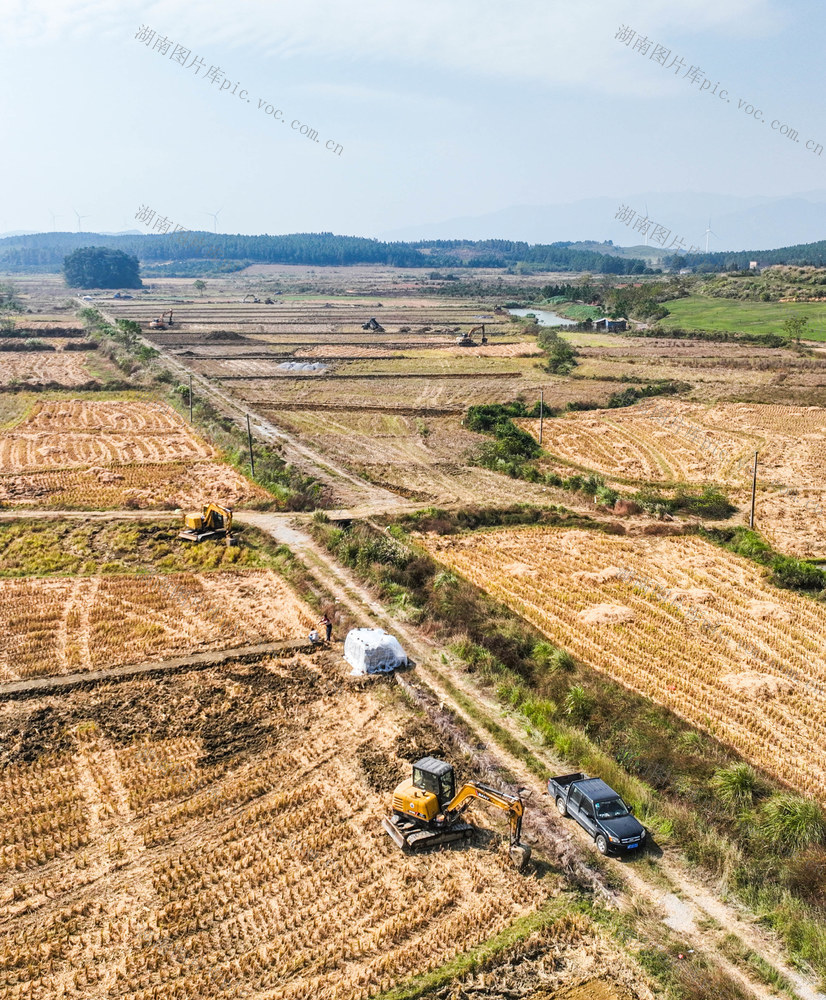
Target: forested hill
(801, 254)
(45, 251)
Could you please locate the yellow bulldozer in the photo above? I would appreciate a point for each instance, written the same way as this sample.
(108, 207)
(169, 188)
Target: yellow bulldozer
(427, 810)
(214, 521)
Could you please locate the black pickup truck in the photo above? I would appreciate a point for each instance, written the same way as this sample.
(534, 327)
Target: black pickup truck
(599, 811)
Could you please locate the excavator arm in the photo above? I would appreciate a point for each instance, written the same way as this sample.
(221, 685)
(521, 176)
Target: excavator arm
(223, 513)
(511, 804)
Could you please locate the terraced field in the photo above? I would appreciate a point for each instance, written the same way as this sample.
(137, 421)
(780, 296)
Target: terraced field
(63, 625)
(68, 369)
(668, 441)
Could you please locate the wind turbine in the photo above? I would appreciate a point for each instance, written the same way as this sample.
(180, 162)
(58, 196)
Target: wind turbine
(646, 219)
(710, 233)
(51, 213)
(79, 217)
(215, 218)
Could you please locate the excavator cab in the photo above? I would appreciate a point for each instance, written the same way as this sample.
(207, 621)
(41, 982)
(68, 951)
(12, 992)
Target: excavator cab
(436, 777)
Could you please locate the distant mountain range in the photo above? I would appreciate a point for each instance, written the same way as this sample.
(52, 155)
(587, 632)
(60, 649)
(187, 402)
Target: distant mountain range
(33, 232)
(738, 223)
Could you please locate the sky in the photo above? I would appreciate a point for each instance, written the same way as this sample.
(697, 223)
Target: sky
(423, 111)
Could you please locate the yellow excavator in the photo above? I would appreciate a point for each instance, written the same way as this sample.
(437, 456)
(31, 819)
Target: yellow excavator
(427, 810)
(214, 521)
(161, 323)
(466, 339)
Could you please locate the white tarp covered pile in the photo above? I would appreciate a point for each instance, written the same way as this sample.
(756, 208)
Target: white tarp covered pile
(373, 651)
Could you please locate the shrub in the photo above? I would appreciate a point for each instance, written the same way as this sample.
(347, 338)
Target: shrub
(561, 356)
(791, 823)
(578, 704)
(711, 503)
(795, 574)
(736, 785)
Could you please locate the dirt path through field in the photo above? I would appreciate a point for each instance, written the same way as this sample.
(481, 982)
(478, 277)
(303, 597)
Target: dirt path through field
(688, 902)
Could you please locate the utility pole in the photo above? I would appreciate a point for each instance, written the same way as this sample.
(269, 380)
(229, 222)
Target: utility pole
(541, 413)
(190, 397)
(753, 491)
(249, 438)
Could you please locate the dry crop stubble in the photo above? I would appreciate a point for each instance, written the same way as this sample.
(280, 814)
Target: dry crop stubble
(56, 626)
(99, 454)
(749, 665)
(64, 369)
(69, 433)
(262, 869)
(663, 440)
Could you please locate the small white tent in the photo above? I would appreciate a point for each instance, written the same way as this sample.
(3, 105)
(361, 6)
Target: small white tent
(373, 651)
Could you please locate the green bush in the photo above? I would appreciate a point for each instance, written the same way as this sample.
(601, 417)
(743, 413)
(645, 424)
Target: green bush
(578, 704)
(711, 503)
(791, 823)
(796, 574)
(736, 785)
(561, 355)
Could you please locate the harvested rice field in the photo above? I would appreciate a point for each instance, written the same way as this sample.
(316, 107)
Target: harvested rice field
(689, 625)
(666, 441)
(97, 454)
(218, 834)
(65, 625)
(69, 369)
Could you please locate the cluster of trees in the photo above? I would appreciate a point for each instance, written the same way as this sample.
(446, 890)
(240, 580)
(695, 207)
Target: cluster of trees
(563, 256)
(769, 286)
(561, 355)
(9, 302)
(100, 267)
(643, 301)
(45, 251)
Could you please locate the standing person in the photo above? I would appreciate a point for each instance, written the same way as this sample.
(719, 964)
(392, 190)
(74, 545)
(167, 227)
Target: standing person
(328, 626)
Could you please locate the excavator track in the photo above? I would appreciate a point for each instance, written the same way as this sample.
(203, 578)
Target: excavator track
(413, 837)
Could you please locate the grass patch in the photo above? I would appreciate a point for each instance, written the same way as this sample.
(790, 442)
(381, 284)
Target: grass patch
(756, 966)
(702, 312)
(39, 547)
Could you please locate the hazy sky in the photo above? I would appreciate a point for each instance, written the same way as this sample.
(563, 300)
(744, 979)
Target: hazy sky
(442, 107)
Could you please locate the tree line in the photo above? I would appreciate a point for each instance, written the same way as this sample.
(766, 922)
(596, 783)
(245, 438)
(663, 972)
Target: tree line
(45, 251)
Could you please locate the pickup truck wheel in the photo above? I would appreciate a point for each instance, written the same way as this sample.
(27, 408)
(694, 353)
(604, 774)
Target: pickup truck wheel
(602, 844)
(561, 808)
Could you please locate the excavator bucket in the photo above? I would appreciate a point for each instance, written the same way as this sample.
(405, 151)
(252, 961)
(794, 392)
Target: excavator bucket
(520, 855)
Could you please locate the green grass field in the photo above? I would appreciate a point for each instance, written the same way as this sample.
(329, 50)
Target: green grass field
(705, 313)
